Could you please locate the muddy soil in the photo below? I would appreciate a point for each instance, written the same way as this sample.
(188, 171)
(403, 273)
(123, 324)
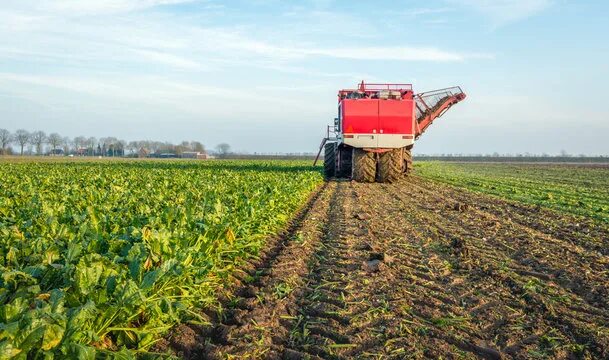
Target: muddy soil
(415, 269)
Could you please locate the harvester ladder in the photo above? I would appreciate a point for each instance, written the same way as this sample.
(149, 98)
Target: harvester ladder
(329, 130)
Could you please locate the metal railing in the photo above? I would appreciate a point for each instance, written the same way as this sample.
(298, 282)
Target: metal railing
(379, 87)
(428, 102)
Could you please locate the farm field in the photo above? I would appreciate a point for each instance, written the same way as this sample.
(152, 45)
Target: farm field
(245, 259)
(102, 256)
(577, 189)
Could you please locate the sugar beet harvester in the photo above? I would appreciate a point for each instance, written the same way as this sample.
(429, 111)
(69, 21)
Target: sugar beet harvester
(376, 127)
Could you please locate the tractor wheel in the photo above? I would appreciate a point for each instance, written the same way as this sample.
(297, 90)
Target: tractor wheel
(364, 166)
(345, 162)
(390, 166)
(408, 161)
(329, 160)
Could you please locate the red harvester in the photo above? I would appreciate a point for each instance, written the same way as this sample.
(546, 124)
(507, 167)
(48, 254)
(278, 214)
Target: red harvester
(376, 127)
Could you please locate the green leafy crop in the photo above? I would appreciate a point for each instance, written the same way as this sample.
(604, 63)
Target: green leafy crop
(99, 257)
(576, 189)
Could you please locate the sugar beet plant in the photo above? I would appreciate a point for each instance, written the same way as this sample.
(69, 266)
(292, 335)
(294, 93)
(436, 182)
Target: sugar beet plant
(579, 190)
(107, 256)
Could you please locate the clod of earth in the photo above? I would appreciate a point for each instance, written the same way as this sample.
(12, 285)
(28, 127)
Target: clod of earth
(371, 265)
(360, 232)
(362, 216)
(460, 207)
(363, 246)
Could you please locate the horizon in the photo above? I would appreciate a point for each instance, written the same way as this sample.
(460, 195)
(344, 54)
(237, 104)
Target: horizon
(262, 76)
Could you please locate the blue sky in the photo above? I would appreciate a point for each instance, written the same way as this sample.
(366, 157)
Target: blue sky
(262, 75)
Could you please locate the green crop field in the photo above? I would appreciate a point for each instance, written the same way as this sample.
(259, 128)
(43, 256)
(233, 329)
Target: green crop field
(576, 189)
(206, 259)
(100, 256)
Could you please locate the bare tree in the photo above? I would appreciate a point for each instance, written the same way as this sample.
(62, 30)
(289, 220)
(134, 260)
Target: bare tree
(223, 149)
(5, 139)
(103, 144)
(133, 147)
(67, 143)
(38, 138)
(197, 146)
(109, 145)
(106, 146)
(155, 146)
(183, 147)
(79, 143)
(143, 144)
(22, 137)
(91, 144)
(54, 140)
(120, 147)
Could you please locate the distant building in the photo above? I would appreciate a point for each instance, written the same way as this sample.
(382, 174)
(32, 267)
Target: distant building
(194, 155)
(142, 153)
(56, 152)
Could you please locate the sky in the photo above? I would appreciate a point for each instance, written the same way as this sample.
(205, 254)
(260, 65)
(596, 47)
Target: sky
(262, 75)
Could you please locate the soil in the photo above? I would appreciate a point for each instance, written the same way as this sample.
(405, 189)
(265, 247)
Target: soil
(415, 269)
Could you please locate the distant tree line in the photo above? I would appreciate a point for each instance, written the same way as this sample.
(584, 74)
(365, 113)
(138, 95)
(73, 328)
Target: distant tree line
(527, 157)
(39, 143)
(23, 142)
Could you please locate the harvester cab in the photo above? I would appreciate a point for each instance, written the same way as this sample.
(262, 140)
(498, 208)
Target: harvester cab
(376, 127)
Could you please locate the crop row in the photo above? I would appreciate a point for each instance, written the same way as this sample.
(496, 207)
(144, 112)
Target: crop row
(100, 257)
(579, 190)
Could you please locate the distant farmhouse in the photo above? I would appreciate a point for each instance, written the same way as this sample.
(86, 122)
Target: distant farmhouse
(194, 155)
(143, 153)
(56, 152)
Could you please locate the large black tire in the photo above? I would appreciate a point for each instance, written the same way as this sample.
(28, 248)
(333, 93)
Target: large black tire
(330, 160)
(364, 166)
(345, 162)
(408, 167)
(390, 166)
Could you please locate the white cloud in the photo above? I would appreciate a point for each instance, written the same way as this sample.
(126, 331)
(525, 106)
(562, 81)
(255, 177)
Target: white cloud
(222, 39)
(502, 12)
(51, 35)
(145, 90)
(17, 21)
(427, 11)
(96, 7)
(399, 53)
(167, 59)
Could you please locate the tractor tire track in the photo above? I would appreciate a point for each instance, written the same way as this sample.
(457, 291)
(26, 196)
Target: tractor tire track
(519, 240)
(251, 322)
(417, 269)
(582, 232)
(486, 253)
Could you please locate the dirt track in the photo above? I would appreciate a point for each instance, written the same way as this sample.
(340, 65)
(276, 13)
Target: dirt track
(416, 270)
